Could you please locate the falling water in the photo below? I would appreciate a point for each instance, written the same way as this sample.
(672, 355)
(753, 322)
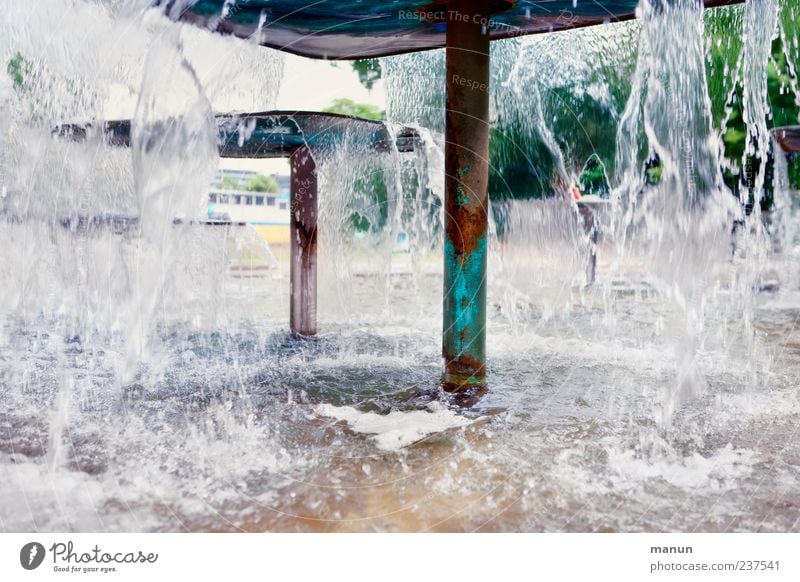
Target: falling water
(760, 21)
(173, 136)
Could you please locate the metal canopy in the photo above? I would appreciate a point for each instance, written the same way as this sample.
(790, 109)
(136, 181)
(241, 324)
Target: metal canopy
(272, 134)
(355, 29)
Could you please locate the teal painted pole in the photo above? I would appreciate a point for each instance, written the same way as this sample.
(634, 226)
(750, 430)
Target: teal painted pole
(466, 196)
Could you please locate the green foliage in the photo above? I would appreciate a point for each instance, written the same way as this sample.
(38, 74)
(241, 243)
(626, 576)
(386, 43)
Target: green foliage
(369, 71)
(371, 185)
(345, 106)
(593, 179)
(793, 168)
(779, 88)
(740, 171)
(18, 68)
(359, 221)
(584, 126)
(724, 29)
(228, 183)
(653, 171)
(22, 74)
(579, 115)
(520, 166)
(47, 94)
(262, 183)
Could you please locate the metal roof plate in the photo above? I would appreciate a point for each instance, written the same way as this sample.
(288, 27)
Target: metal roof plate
(353, 29)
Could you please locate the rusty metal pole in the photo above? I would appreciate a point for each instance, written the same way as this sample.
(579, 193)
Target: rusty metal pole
(589, 224)
(591, 267)
(303, 232)
(466, 195)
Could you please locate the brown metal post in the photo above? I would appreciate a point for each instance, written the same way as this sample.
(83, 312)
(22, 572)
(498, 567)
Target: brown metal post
(303, 232)
(589, 223)
(591, 267)
(466, 195)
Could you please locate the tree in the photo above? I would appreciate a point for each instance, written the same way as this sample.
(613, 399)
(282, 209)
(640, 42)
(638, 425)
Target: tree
(228, 183)
(262, 183)
(369, 71)
(346, 106)
(18, 68)
(593, 179)
(742, 168)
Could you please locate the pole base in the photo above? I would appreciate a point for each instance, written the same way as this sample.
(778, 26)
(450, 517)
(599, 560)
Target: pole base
(465, 391)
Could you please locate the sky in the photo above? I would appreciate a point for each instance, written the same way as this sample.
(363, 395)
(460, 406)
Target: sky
(310, 84)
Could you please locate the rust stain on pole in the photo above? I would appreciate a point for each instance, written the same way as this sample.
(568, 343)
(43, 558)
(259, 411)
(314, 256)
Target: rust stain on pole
(303, 232)
(466, 195)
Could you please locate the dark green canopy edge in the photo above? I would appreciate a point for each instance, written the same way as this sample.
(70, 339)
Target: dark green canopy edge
(355, 29)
